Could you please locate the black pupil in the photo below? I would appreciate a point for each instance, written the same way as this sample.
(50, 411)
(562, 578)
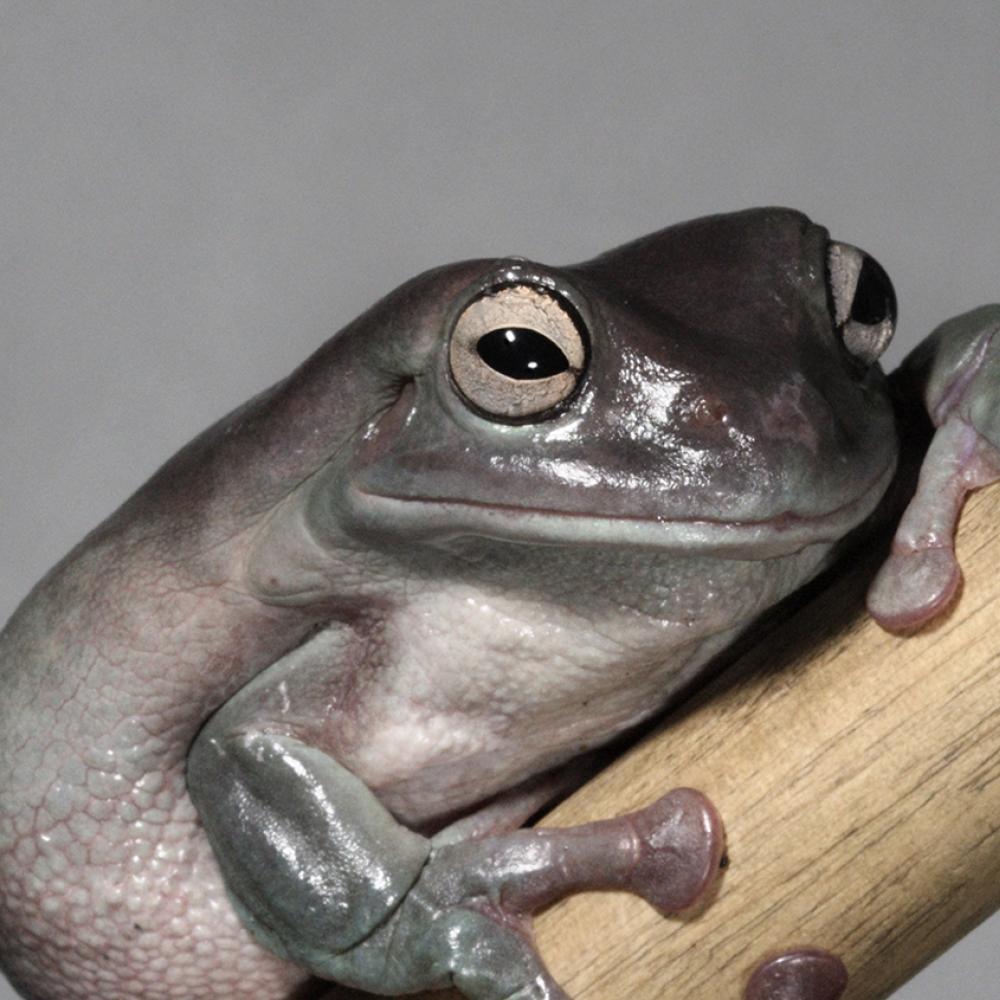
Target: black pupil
(520, 353)
(874, 299)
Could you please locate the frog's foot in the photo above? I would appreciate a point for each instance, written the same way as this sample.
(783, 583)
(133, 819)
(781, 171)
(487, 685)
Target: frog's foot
(470, 911)
(960, 365)
(323, 875)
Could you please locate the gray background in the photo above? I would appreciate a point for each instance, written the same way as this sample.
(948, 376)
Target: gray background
(194, 195)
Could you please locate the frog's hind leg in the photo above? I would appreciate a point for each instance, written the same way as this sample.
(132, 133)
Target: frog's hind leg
(956, 371)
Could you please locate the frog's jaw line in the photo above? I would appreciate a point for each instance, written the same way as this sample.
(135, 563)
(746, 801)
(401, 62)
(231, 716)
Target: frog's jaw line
(441, 519)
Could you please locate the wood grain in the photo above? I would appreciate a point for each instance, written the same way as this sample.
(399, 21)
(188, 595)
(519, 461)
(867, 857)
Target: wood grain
(858, 774)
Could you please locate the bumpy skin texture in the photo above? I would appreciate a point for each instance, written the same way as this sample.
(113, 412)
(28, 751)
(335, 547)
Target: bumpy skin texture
(444, 607)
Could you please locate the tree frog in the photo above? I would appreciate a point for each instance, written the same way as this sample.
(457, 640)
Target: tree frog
(284, 713)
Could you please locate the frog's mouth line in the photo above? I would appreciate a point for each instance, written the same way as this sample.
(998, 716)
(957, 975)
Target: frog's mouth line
(442, 519)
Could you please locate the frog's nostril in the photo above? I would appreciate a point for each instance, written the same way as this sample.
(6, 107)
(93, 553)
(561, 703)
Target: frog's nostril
(709, 410)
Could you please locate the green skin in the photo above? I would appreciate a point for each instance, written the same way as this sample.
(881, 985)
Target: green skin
(283, 713)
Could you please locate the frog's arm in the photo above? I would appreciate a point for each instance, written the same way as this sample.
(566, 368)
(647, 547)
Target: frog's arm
(955, 374)
(323, 874)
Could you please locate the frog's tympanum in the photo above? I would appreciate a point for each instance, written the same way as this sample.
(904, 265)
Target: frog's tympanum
(283, 713)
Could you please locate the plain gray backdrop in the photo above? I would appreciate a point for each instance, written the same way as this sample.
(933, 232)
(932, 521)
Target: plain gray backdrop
(194, 195)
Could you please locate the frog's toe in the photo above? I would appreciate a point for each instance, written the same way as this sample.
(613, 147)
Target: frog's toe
(668, 853)
(680, 847)
(803, 974)
(913, 586)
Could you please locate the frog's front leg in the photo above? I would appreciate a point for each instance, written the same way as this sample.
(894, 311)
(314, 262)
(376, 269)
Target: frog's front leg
(956, 373)
(324, 875)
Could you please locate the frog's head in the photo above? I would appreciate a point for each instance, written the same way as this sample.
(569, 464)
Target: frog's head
(709, 388)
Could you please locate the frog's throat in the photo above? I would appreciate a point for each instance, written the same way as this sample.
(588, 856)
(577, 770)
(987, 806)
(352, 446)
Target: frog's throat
(433, 519)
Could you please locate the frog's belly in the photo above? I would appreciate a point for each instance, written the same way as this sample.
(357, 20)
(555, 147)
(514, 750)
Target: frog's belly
(442, 730)
(452, 690)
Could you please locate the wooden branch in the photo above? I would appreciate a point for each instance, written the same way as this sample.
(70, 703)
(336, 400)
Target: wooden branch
(858, 774)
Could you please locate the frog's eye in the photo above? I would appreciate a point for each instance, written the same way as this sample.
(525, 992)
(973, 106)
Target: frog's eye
(517, 352)
(864, 303)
